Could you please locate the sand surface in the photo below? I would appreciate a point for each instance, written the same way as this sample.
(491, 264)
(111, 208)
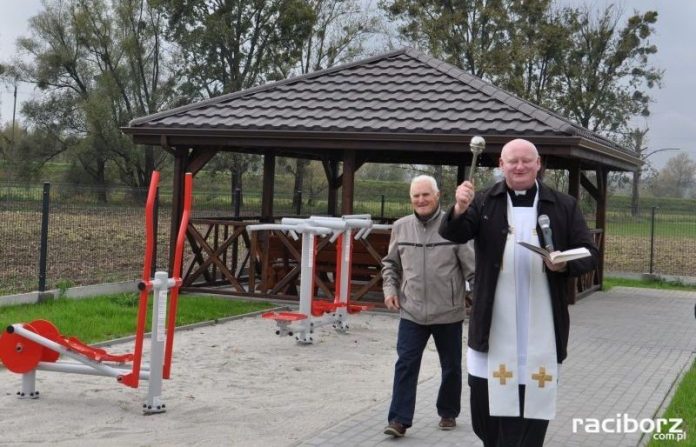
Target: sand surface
(233, 384)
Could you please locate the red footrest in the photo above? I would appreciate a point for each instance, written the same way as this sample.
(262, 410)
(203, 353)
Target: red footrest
(284, 316)
(355, 308)
(96, 354)
(321, 307)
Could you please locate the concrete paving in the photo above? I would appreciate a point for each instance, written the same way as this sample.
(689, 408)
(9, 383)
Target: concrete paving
(628, 350)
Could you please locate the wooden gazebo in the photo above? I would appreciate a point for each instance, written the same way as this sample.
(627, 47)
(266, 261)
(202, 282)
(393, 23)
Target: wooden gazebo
(399, 107)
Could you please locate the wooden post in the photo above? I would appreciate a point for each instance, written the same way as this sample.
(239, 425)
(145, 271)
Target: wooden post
(573, 190)
(180, 157)
(331, 171)
(574, 179)
(601, 218)
(348, 183)
(461, 173)
(267, 194)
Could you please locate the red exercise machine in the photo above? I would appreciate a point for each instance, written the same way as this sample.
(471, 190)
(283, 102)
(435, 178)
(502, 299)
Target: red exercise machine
(28, 347)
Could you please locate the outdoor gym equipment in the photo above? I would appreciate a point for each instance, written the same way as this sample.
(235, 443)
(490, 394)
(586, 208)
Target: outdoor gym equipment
(315, 313)
(26, 348)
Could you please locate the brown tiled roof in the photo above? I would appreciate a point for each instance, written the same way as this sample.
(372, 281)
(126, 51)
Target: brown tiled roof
(402, 92)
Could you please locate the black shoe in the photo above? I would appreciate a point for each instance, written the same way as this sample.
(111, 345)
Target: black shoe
(447, 423)
(395, 429)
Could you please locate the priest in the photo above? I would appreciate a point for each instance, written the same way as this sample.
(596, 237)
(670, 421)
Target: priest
(519, 324)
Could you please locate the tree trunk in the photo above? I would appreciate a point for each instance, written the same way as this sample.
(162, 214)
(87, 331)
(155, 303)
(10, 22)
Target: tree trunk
(300, 167)
(236, 182)
(638, 136)
(149, 165)
(437, 174)
(101, 181)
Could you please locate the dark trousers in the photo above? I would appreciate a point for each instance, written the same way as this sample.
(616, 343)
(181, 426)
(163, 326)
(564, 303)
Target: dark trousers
(410, 344)
(497, 431)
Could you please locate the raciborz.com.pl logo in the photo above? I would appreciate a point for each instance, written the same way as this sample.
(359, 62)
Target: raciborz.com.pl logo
(660, 429)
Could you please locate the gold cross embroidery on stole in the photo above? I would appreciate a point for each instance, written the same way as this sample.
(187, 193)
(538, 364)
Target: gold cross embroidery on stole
(502, 374)
(542, 377)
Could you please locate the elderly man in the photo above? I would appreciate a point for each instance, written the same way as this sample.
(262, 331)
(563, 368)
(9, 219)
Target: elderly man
(518, 330)
(425, 277)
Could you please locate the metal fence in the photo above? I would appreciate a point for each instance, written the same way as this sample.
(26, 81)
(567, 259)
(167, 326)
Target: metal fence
(87, 240)
(656, 240)
(97, 235)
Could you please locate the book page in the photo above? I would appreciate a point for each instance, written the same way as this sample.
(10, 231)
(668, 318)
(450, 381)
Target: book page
(538, 250)
(557, 257)
(569, 255)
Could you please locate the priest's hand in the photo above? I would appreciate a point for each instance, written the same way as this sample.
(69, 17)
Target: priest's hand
(556, 267)
(463, 196)
(392, 302)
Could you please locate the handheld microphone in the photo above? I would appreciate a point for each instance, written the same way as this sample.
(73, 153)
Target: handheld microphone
(545, 224)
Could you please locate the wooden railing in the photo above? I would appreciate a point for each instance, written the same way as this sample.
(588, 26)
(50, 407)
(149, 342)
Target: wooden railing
(226, 259)
(591, 281)
(219, 258)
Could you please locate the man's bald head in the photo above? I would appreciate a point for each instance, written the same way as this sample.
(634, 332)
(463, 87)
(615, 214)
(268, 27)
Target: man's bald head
(519, 144)
(519, 161)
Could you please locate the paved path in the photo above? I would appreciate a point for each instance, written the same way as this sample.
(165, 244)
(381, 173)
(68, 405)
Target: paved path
(628, 349)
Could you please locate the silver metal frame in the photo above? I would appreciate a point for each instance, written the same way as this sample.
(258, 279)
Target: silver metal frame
(303, 329)
(84, 365)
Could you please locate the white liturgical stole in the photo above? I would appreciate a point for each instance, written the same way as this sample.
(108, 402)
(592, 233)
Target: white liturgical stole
(522, 343)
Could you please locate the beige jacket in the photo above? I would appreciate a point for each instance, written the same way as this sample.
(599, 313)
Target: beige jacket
(427, 272)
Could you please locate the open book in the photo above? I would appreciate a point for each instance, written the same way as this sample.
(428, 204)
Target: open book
(557, 257)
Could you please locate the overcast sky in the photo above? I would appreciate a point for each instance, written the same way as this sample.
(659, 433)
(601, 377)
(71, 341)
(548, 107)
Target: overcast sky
(672, 123)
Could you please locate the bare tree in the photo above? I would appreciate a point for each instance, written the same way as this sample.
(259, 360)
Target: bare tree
(677, 178)
(636, 140)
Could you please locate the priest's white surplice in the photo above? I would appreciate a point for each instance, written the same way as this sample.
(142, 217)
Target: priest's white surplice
(522, 344)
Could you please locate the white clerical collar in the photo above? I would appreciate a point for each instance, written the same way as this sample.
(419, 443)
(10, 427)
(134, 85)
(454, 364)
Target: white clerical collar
(523, 192)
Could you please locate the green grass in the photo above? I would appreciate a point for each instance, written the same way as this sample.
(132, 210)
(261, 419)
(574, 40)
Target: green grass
(664, 227)
(610, 282)
(683, 406)
(683, 403)
(113, 316)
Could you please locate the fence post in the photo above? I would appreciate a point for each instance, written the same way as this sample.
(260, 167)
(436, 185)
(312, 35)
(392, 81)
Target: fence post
(237, 202)
(652, 237)
(381, 209)
(43, 249)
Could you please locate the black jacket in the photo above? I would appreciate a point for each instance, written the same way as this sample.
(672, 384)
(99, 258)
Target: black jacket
(486, 222)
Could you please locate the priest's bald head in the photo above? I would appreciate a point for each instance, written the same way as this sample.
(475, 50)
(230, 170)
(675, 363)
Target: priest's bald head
(520, 163)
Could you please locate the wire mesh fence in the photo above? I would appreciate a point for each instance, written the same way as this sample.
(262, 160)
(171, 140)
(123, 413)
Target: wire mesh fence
(654, 240)
(20, 213)
(93, 236)
(97, 235)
